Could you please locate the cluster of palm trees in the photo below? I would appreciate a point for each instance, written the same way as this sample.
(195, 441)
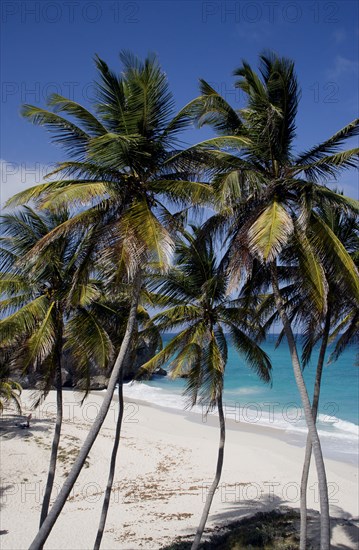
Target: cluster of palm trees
(111, 236)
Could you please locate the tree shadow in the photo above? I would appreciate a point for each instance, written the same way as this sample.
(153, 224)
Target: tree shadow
(3, 490)
(10, 426)
(268, 524)
(342, 521)
(238, 510)
(242, 508)
(348, 528)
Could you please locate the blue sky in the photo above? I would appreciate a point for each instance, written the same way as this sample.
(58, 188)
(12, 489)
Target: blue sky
(49, 47)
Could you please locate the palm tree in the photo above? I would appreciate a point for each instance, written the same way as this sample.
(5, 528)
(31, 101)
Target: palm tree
(151, 329)
(341, 315)
(196, 291)
(10, 390)
(52, 306)
(121, 175)
(267, 195)
(341, 309)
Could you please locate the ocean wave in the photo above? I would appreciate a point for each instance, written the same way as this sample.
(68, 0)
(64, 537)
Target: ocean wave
(339, 424)
(153, 394)
(250, 390)
(288, 419)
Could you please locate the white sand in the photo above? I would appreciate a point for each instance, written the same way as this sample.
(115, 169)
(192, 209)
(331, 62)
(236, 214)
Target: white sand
(164, 463)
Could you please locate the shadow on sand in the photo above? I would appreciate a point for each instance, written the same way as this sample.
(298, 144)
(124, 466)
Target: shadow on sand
(10, 426)
(237, 512)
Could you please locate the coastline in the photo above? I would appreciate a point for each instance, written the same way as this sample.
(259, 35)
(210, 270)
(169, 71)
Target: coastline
(165, 462)
(340, 438)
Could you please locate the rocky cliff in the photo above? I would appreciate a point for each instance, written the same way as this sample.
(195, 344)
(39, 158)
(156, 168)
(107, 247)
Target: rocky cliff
(98, 379)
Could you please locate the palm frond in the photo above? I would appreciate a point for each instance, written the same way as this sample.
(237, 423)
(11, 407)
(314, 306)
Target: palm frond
(40, 344)
(329, 146)
(90, 123)
(270, 232)
(335, 255)
(312, 273)
(165, 354)
(153, 236)
(67, 134)
(87, 341)
(24, 321)
(257, 359)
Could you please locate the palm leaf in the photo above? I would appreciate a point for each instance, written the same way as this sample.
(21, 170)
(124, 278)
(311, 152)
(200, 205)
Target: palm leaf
(337, 258)
(24, 321)
(187, 359)
(330, 145)
(165, 355)
(40, 344)
(76, 194)
(67, 134)
(257, 359)
(87, 341)
(270, 232)
(312, 273)
(62, 104)
(150, 233)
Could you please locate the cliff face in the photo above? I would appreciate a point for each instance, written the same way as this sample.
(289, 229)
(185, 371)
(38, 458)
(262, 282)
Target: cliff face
(145, 350)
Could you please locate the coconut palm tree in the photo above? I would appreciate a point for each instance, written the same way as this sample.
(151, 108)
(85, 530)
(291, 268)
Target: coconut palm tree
(196, 291)
(341, 315)
(152, 331)
(52, 306)
(120, 172)
(267, 194)
(10, 390)
(341, 309)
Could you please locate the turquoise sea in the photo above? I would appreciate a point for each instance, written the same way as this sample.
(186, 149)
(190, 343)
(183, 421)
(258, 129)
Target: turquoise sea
(247, 399)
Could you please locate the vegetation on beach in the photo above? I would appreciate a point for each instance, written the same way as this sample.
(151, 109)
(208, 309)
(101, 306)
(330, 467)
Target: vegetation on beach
(10, 391)
(197, 298)
(104, 233)
(275, 530)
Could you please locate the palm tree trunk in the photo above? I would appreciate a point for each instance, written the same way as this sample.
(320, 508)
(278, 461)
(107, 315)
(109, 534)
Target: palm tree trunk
(312, 429)
(59, 503)
(56, 438)
(212, 490)
(308, 448)
(111, 474)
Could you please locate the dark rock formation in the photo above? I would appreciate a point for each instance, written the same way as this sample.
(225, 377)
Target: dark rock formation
(99, 382)
(67, 378)
(98, 379)
(160, 372)
(145, 349)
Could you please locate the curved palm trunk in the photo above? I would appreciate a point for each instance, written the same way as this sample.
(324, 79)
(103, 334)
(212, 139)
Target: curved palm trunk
(308, 448)
(59, 503)
(312, 429)
(212, 490)
(106, 502)
(56, 438)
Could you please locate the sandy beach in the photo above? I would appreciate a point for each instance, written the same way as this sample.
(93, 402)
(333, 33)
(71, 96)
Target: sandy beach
(165, 462)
